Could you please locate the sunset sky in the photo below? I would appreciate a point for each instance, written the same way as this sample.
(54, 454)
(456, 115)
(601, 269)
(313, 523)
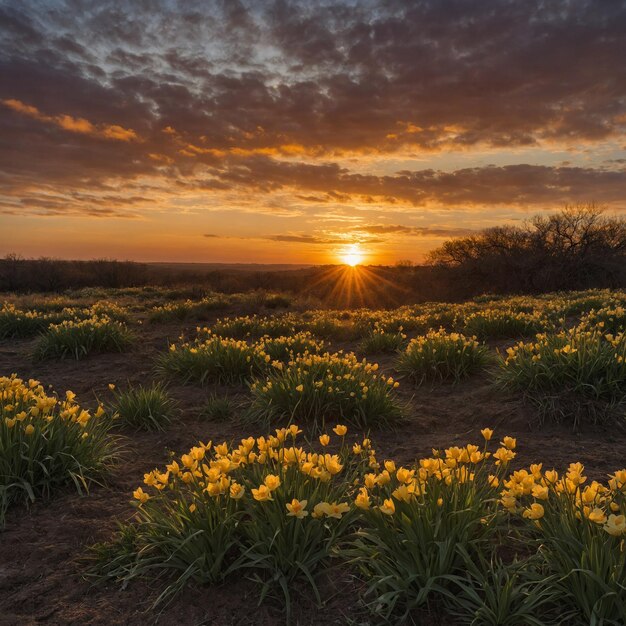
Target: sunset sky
(285, 132)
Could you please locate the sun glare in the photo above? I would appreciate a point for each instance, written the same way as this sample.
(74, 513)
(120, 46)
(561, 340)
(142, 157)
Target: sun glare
(352, 255)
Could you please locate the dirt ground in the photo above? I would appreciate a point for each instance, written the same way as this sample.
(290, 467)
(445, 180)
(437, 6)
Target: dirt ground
(41, 573)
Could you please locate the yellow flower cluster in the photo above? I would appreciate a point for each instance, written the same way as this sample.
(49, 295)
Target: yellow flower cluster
(26, 405)
(216, 471)
(532, 491)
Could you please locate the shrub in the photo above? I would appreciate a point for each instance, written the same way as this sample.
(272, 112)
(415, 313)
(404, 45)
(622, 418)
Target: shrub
(252, 326)
(379, 341)
(494, 593)
(503, 324)
(218, 408)
(265, 506)
(15, 323)
(577, 371)
(47, 443)
(314, 388)
(581, 531)
(77, 339)
(416, 521)
(607, 320)
(189, 309)
(442, 356)
(213, 360)
(285, 348)
(145, 408)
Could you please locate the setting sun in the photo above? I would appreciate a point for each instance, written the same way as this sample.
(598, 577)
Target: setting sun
(352, 255)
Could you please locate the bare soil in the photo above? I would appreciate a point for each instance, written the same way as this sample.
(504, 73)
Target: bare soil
(42, 549)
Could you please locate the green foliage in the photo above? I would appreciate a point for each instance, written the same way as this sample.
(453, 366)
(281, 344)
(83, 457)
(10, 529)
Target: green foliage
(315, 388)
(503, 324)
(380, 341)
(219, 409)
(47, 444)
(212, 360)
(77, 339)
(439, 356)
(145, 408)
(579, 373)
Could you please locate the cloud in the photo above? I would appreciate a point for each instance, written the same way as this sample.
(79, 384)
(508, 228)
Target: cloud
(416, 231)
(225, 100)
(73, 124)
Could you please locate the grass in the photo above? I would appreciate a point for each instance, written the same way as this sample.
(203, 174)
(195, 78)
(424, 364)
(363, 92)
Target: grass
(219, 409)
(145, 408)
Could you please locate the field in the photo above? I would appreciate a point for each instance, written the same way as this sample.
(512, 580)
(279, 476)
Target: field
(216, 464)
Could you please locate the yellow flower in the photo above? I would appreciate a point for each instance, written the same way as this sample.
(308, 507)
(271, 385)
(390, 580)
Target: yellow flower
(111, 386)
(300, 388)
(192, 508)
(29, 430)
(598, 516)
(363, 499)
(141, 495)
(10, 422)
(616, 525)
(503, 455)
(388, 507)
(404, 475)
(535, 511)
(340, 430)
(272, 482)
(324, 440)
(390, 466)
(236, 491)
(296, 508)
(487, 433)
(262, 494)
(336, 510)
(540, 492)
(509, 443)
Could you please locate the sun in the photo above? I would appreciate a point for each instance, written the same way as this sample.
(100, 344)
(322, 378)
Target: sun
(352, 255)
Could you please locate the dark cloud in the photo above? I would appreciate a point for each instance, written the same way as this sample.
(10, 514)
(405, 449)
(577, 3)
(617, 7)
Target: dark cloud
(241, 84)
(415, 231)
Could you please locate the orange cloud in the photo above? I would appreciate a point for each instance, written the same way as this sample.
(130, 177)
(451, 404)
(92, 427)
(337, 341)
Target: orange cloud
(73, 124)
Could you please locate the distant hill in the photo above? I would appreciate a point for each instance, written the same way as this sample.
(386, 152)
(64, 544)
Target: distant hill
(244, 267)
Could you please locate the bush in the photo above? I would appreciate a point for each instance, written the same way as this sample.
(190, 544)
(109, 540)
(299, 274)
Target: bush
(442, 356)
(47, 443)
(379, 341)
(266, 507)
(611, 319)
(178, 311)
(315, 388)
(213, 360)
(252, 326)
(578, 372)
(579, 531)
(219, 409)
(503, 324)
(145, 408)
(417, 523)
(285, 348)
(15, 323)
(77, 339)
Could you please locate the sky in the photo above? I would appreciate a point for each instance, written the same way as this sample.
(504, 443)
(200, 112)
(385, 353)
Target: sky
(294, 132)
